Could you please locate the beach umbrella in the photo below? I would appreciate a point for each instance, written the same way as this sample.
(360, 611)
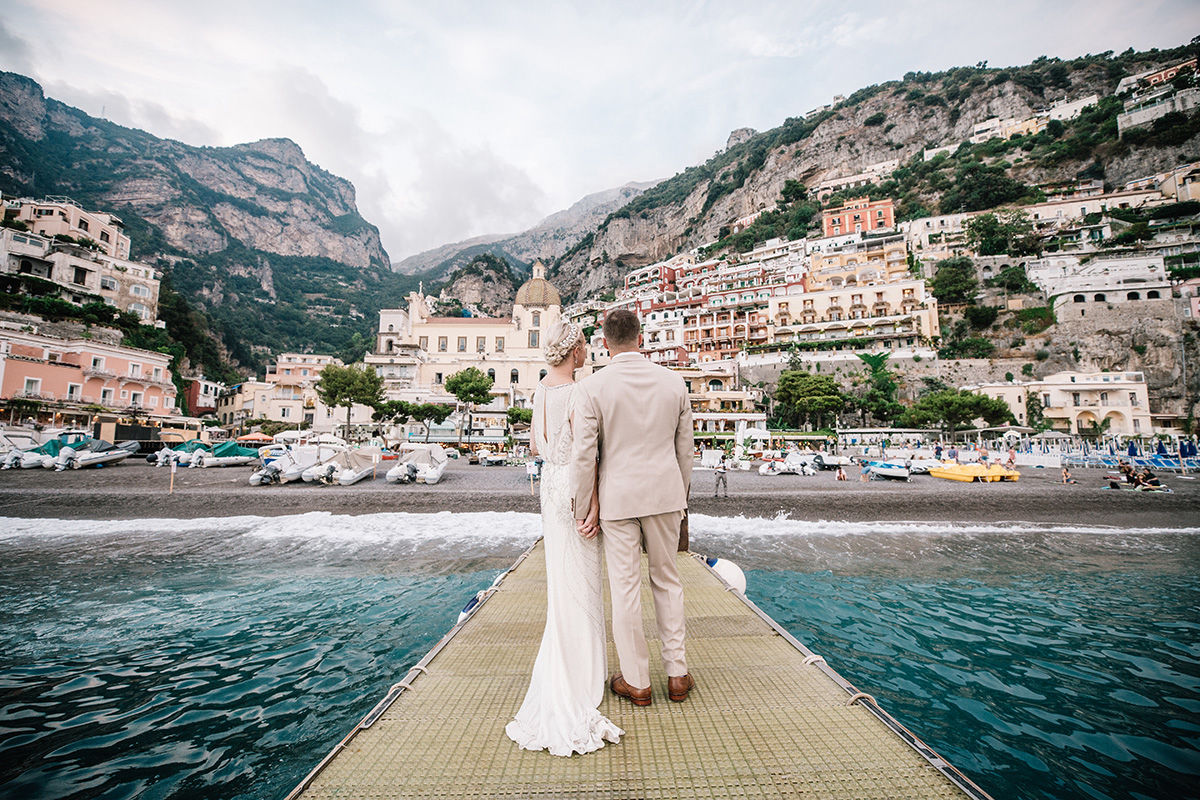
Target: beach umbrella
(1162, 450)
(255, 437)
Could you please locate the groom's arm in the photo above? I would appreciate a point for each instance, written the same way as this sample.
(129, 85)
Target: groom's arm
(583, 454)
(684, 444)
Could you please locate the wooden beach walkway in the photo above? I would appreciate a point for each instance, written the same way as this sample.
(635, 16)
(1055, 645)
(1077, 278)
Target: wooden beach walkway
(766, 719)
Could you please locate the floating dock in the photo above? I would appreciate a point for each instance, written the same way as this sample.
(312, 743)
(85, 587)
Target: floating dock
(768, 718)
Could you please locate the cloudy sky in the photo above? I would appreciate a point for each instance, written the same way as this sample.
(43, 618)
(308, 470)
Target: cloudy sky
(460, 118)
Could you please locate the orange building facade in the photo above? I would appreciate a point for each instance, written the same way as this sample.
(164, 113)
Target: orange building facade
(860, 215)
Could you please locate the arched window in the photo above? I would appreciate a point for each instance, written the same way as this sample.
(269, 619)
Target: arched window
(514, 377)
(1133, 296)
(1080, 298)
(536, 319)
(1152, 294)
(492, 375)
(714, 385)
(1099, 298)
(139, 291)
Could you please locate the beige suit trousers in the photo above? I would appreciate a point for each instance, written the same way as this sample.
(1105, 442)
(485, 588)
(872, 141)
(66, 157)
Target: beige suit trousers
(623, 552)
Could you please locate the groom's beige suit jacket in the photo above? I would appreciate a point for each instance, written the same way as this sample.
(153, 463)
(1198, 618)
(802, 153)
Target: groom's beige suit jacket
(635, 417)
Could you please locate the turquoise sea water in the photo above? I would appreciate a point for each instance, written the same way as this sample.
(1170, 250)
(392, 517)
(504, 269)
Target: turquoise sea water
(223, 658)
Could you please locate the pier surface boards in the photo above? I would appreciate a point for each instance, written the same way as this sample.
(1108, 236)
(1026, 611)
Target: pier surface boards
(760, 723)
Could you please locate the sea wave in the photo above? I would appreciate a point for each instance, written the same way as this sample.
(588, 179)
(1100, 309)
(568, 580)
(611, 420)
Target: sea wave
(513, 525)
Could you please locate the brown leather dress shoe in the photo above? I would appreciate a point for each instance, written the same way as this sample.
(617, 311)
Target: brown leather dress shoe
(639, 697)
(678, 688)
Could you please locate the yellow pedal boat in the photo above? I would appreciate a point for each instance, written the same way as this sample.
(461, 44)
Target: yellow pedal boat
(974, 472)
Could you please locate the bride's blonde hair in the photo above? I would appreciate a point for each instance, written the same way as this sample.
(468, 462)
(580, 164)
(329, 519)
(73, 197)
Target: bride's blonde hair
(561, 339)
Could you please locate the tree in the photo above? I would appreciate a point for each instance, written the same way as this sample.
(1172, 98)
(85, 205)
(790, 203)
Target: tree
(955, 281)
(1003, 232)
(810, 399)
(470, 386)
(430, 413)
(952, 409)
(346, 386)
(880, 398)
(978, 186)
(518, 415)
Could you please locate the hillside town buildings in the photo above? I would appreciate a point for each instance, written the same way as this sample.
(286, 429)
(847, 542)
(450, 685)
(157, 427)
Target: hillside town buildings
(88, 262)
(1081, 402)
(81, 377)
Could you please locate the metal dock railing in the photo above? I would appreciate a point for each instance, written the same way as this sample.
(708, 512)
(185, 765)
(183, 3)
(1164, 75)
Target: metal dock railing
(768, 718)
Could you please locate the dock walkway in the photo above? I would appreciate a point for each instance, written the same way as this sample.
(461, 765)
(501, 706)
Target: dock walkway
(767, 717)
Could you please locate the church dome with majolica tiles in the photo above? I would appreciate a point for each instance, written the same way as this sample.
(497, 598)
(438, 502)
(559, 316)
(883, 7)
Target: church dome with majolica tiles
(537, 291)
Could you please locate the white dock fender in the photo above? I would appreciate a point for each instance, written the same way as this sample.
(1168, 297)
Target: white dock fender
(729, 571)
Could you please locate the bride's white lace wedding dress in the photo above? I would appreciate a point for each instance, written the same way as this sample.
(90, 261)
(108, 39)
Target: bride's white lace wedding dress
(560, 713)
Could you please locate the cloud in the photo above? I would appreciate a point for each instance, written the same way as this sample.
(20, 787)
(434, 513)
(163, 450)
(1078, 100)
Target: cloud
(146, 115)
(15, 53)
(420, 184)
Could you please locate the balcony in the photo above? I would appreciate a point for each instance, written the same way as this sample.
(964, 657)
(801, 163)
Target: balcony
(98, 372)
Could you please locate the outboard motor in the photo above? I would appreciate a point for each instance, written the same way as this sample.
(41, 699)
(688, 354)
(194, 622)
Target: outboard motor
(268, 475)
(327, 474)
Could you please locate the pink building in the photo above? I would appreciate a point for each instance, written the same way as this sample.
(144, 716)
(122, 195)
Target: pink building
(68, 374)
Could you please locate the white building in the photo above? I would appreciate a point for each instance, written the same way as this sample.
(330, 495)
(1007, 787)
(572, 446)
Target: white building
(1074, 402)
(1070, 279)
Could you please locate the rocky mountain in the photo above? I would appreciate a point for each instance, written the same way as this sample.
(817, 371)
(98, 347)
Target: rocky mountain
(894, 120)
(270, 247)
(547, 240)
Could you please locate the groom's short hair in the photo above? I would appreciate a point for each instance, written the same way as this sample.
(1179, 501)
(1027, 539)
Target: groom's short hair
(621, 327)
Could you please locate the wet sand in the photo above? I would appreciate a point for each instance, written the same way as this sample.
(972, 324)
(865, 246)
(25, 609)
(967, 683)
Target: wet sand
(137, 490)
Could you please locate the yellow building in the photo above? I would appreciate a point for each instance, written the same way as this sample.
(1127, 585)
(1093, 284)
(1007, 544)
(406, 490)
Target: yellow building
(897, 314)
(876, 260)
(417, 351)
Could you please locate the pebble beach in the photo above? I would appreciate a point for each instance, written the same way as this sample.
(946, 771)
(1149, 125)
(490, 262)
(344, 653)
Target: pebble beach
(137, 490)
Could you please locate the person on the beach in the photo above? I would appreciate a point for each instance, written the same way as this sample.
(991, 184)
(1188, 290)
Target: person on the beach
(721, 471)
(841, 473)
(952, 454)
(1012, 458)
(559, 712)
(1066, 476)
(1147, 480)
(633, 428)
(937, 451)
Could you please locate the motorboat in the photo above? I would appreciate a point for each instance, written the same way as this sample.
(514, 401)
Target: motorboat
(921, 466)
(94, 453)
(181, 453)
(347, 467)
(226, 454)
(419, 463)
(888, 470)
(291, 464)
(493, 459)
(829, 461)
(41, 456)
(796, 463)
(968, 473)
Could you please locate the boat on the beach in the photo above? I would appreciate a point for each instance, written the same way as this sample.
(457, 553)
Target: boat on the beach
(181, 453)
(42, 456)
(346, 467)
(226, 454)
(921, 466)
(796, 463)
(888, 470)
(94, 453)
(291, 464)
(968, 473)
(419, 463)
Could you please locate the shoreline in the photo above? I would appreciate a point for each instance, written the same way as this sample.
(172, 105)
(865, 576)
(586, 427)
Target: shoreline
(136, 490)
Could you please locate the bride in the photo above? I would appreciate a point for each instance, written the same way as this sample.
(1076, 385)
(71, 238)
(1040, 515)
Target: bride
(560, 713)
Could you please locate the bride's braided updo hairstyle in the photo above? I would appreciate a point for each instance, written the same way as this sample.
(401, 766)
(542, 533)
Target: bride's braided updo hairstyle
(561, 339)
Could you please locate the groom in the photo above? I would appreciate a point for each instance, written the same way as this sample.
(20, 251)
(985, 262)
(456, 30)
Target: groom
(633, 424)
